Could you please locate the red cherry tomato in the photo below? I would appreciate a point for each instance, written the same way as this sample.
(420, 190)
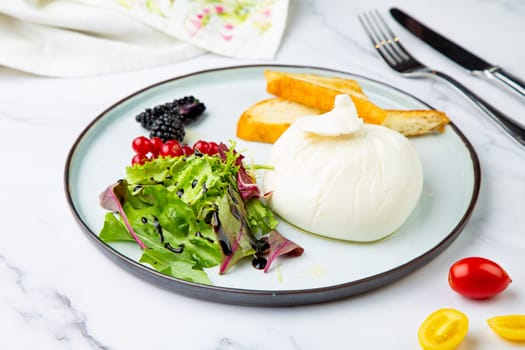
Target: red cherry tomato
(478, 278)
(213, 148)
(187, 150)
(201, 146)
(141, 145)
(156, 143)
(171, 148)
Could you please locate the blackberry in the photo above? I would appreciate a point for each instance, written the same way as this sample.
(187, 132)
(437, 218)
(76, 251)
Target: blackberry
(189, 108)
(148, 117)
(168, 126)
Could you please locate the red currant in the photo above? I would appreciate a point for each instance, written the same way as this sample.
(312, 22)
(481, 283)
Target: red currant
(171, 148)
(187, 150)
(201, 146)
(213, 148)
(141, 145)
(156, 143)
(139, 159)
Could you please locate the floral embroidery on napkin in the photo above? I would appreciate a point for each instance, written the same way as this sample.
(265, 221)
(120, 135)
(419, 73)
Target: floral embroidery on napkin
(237, 28)
(226, 16)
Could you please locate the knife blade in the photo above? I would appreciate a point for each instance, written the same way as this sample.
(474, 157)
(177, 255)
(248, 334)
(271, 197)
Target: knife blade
(457, 53)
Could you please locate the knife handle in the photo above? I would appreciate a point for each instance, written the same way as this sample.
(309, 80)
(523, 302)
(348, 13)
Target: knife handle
(515, 84)
(514, 129)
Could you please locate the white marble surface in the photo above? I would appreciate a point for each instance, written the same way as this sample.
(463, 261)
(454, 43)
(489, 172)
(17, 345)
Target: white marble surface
(58, 291)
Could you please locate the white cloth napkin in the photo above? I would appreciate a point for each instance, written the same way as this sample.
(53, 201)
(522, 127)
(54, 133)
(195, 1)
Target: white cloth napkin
(71, 38)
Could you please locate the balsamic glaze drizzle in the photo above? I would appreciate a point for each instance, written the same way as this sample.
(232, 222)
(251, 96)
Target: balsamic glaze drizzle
(158, 228)
(259, 262)
(198, 234)
(177, 250)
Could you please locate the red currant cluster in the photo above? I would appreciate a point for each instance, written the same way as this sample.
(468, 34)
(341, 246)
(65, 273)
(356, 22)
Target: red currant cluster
(150, 148)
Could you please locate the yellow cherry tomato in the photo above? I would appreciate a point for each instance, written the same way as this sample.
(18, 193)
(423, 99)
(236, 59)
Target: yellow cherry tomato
(444, 329)
(510, 327)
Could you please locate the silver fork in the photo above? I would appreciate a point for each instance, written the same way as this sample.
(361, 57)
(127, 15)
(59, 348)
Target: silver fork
(398, 58)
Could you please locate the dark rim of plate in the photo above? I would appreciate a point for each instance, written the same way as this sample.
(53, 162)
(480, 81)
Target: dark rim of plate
(250, 297)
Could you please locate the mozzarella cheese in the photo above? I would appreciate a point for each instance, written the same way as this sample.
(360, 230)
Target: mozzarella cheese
(337, 177)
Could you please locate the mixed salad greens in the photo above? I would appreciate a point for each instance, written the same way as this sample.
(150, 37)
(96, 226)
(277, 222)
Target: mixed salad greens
(191, 212)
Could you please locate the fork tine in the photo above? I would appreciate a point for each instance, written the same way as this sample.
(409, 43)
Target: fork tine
(393, 40)
(367, 29)
(387, 40)
(375, 37)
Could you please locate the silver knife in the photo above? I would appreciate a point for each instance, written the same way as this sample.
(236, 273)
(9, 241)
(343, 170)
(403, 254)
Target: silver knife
(458, 54)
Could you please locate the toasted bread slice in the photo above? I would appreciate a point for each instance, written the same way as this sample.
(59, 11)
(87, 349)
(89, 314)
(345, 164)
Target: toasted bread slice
(349, 86)
(343, 85)
(416, 122)
(320, 92)
(266, 120)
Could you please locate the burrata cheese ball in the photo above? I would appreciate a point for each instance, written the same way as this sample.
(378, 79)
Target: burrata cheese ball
(337, 177)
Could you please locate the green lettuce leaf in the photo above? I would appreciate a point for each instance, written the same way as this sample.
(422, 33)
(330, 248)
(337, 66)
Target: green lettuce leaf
(163, 262)
(114, 231)
(260, 219)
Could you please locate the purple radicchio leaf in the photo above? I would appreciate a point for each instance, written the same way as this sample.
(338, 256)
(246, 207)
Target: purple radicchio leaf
(280, 245)
(228, 260)
(247, 186)
(238, 243)
(111, 199)
(245, 183)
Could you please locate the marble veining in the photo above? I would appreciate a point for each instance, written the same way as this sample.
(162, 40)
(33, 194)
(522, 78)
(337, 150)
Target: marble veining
(273, 339)
(57, 291)
(45, 308)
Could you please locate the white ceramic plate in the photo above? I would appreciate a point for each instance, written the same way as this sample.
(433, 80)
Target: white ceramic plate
(328, 269)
